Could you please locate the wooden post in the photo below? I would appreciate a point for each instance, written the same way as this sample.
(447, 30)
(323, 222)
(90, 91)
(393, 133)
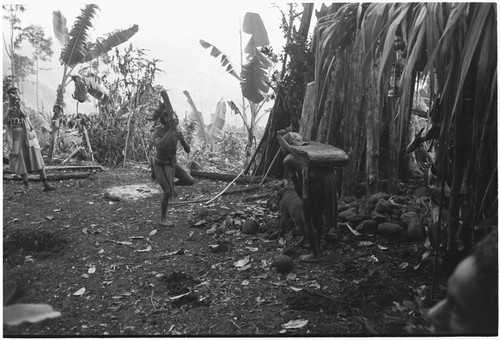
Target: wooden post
(88, 144)
(71, 155)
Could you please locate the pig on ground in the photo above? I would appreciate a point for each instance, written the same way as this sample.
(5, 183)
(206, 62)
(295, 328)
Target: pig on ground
(289, 205)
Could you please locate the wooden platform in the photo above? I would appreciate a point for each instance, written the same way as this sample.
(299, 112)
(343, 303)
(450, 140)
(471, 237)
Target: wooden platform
(316, 153)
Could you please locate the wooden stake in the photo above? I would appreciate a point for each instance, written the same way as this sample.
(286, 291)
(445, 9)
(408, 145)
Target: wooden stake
(71, 155)
(270, 167)
(88, 144)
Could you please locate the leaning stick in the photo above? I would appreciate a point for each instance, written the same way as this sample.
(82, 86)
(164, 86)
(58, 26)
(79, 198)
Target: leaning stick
(71, 155)
(220, 193)
(270, 167)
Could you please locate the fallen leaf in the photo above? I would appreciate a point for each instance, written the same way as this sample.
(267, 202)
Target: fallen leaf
(248, 266)
(176, 252)
(252, 249)
(295, 324)
(92, 270)
(101, 251)
(403, 265)
(126, 243)
(373, 258)
(315, 285)
(243, 262)
(49, 217)
(199, 224)
(355, 232)
(79, 292)
(382, 247)
(295, 289)
(57, 210)
(365, 243)
(90, 202)
(154, 231)
(148, 248)
(85, 276)
(15, 220)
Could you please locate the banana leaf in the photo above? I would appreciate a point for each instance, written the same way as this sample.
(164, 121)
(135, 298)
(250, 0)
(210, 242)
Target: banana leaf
(233, 107)
(215, 52)
(219, 118)
(254, 75)
(75, 50)
(198, 118)
(90, 86)
(252, 24)
(60, 29)
(114, 39)
(96, 90)
(80, 93)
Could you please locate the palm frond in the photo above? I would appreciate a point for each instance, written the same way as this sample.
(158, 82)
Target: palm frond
(75, 50)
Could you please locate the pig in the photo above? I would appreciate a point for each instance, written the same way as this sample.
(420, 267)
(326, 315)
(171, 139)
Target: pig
(290, 208)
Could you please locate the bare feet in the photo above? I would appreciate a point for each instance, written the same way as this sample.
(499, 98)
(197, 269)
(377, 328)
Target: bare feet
(309, 258)
(167, 223)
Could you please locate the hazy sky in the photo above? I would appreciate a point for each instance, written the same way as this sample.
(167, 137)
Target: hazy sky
(171, 32)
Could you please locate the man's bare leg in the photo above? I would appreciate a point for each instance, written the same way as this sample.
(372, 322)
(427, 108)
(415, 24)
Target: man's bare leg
(164, 206)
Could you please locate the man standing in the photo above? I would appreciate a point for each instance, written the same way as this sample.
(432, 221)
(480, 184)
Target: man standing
(165, 167)
(25, 155)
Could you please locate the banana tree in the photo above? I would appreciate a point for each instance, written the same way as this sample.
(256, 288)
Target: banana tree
(208, 133)
(77, 49)
(254, 75)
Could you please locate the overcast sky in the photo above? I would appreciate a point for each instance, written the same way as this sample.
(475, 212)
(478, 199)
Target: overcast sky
(171, 32)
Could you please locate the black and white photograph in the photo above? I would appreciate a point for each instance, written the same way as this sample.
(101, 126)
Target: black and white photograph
(249, 169)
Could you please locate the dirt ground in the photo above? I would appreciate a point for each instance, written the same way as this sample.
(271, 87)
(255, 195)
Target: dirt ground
(202, 277)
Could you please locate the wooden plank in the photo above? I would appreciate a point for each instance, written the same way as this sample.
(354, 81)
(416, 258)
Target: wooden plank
(316, 153)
